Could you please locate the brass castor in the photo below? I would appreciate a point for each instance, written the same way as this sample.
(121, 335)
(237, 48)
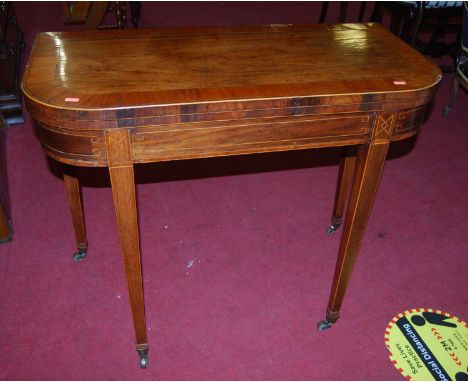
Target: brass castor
(336, 223)
(80, 255)
(143, 358)
(332, 229)
(324, 325)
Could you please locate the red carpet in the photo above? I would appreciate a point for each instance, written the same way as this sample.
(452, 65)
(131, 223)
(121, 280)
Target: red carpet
(237, 262)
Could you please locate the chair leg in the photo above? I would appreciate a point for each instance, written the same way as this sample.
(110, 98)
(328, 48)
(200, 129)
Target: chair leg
(362, 10)
(345, 176)
(412, 25)
(377, 13)
(396, 24)
(413, 36)
(343, 11)
(453, 96)
(96, 14)
(323, 12)
(135, 8)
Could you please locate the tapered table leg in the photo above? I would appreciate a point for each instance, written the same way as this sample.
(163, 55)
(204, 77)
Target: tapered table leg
(123, 192)
(345, 176)
(72, 187)
(369, 164)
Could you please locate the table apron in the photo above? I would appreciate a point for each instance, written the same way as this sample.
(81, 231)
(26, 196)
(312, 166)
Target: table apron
(165, 142)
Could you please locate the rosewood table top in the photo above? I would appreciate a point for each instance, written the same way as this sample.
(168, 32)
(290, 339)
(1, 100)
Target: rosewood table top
(115, 98)
(197, 65)
(204, 75)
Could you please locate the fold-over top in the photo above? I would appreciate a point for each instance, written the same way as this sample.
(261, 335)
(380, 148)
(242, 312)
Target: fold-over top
(115, 69)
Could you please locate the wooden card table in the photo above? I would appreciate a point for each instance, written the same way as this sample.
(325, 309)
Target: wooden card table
(182, 93)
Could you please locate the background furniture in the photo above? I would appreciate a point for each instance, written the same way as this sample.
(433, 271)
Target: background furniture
(6, 230)
(94, 14)
(135, 9)
(411, 19)
(461, 71)
(343, 11)
(11, 44)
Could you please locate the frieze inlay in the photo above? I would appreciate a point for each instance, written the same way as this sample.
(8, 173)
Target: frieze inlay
(98, 146)
(384, 126)
(118, 147)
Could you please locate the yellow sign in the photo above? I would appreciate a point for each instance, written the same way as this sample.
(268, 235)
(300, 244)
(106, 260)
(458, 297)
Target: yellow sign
(428, 345)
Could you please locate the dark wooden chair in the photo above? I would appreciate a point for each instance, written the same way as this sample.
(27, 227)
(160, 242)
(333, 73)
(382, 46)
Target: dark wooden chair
(93, 13)
(461, 72)
(343, 11)
(6, 230)
(411, 19)
(11, 48)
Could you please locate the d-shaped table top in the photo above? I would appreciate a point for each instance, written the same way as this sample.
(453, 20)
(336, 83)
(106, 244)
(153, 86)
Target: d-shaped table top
(138, 68)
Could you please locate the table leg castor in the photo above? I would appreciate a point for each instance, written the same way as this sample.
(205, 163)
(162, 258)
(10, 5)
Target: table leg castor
(336, 223)
(143, 358)
(332, 229)
(79, 255)
(324, 325)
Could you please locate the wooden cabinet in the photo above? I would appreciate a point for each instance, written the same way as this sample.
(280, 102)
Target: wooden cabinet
(11, 42)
